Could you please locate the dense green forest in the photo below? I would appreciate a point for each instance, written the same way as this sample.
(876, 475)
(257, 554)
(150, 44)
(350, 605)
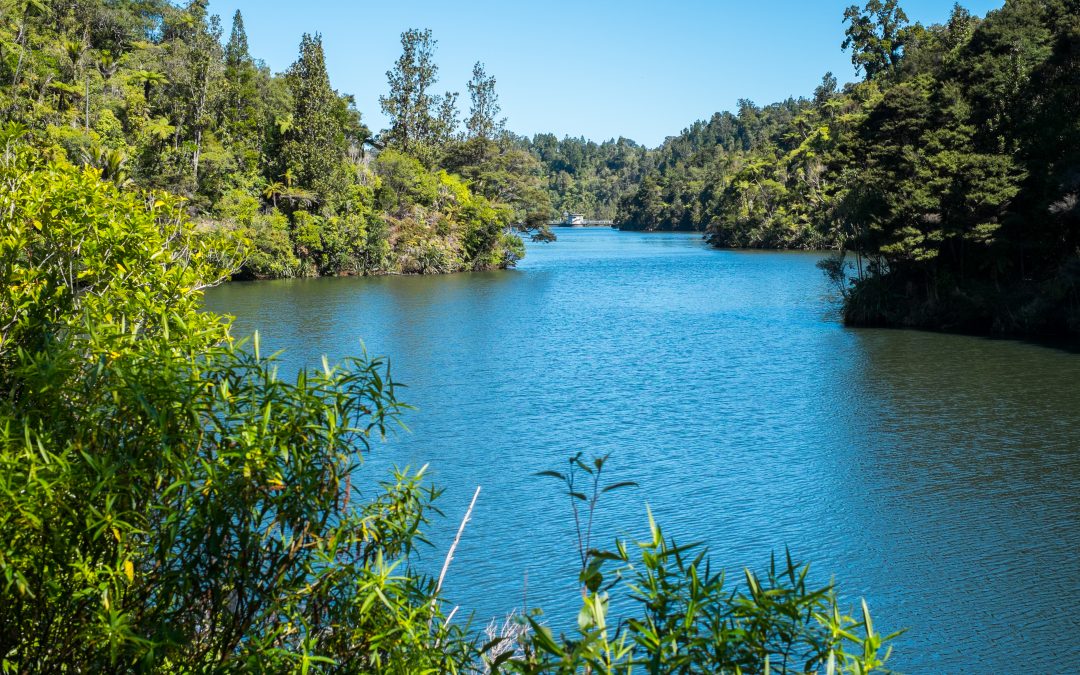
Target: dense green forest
(752, 178)
(159, 96)
(951, 171)
(588, 177)
(956, 169)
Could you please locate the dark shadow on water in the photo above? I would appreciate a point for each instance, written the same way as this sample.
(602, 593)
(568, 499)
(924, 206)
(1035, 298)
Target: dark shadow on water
(1057, 343)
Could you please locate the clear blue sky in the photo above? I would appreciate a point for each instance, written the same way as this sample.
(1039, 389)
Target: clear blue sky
(643, 70)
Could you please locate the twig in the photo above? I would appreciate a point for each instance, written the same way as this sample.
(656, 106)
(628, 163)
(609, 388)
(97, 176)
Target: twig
(450, 556)
(453, 547)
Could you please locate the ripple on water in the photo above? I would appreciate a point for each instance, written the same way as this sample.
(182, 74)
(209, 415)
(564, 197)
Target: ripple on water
(936, 475)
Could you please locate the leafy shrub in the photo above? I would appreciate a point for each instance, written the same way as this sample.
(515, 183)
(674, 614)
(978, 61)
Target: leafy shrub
(403, 182)
(271, 254)
(166, 502)
(690, 620)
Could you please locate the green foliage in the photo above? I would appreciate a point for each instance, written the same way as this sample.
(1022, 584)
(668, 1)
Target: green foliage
(149, 94)
(314, 146)
(404, 182)
(588, 177)
(272, 255)
(420, 122)
(953, 208)
(168, 503)
(950, 171)
(442, 225)
(688, 618)
(507, 175)
(756, 179)
(876, 35)
(483, 119)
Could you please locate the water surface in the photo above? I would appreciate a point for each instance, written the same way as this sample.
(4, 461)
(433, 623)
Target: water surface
(936, 475)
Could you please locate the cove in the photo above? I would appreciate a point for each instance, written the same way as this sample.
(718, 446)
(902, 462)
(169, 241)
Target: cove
(935, 475)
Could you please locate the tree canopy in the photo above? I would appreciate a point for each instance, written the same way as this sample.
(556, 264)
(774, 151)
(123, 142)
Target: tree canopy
(160, 96)
(950, 171)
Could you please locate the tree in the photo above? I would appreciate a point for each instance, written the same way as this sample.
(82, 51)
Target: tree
(484, 121)
(148, 79)
(420, 123)
(25, 9)
(876, 36)
(204, 67)
(190, 59)
(239, 74)
(445, 128)
(236, 50)
(315, 144)
(154, 84)
(239, 114)
(826, 90)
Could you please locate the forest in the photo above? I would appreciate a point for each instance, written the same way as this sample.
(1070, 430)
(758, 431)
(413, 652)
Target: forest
(161, 97)
(947, 179)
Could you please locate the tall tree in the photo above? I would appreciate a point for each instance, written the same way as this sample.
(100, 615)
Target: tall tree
(876, 35)
(446, 119)
(420, 123)
(825, 90)
(315, 144)
(25, 9)
(193, 68)
(484, 110)
(240, 113)
(408, 105)
(236, 50)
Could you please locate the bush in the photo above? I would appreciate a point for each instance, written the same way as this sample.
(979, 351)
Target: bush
(403, 182)
(271, 254)
(166, 502)
(690, 620)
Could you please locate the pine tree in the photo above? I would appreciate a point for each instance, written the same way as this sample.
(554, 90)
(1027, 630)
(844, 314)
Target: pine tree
(236, 51)
(241, 106)
(408, 105)
(315, 147)
(483, 119)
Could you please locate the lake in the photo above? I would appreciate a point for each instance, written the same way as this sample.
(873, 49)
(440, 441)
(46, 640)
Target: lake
(938, 476)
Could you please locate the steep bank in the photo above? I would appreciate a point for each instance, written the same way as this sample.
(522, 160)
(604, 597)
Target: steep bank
(1047, 309)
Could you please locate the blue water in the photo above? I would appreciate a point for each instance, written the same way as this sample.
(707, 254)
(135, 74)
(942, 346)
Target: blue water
(938, 476)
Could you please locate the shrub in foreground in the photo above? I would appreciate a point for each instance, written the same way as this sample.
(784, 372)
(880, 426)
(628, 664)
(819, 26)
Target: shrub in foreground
(678, 615)
(167, 503)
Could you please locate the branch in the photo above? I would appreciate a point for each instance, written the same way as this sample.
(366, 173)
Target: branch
(453, 547)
